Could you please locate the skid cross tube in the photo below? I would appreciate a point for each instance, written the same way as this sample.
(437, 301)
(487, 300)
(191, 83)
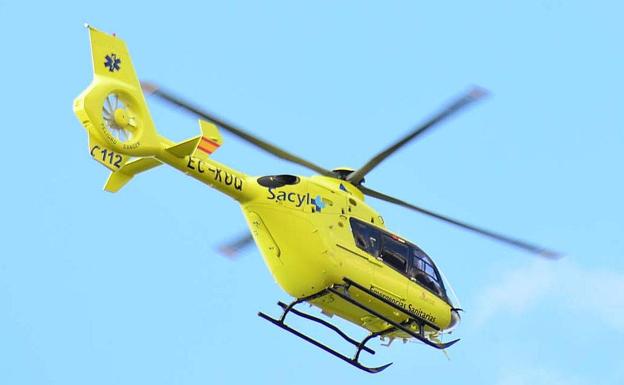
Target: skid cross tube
(326, 324)
(362, 345)
(291, 305)
(399, 326)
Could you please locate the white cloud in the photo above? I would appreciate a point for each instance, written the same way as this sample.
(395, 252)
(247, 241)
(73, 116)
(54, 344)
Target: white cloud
(575, 288)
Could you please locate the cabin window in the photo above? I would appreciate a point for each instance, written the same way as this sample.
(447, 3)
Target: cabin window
(405, 257)
(366, 237)
(395, 253)
(423, 271)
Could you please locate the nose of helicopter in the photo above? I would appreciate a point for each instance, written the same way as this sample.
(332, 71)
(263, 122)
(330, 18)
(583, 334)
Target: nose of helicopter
(455, 318)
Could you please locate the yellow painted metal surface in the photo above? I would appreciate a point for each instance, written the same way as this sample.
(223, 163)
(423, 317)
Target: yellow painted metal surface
(302, 230)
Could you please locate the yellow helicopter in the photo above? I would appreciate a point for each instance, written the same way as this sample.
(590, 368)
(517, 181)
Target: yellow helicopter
(320, 239)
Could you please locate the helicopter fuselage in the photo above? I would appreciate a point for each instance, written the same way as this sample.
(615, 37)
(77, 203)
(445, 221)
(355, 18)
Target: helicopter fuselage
(302, 229)
(304, 234)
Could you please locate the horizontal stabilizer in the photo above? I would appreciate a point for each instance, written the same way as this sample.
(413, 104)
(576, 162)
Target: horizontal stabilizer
(185, 148)
(199, 146)
(118, 179)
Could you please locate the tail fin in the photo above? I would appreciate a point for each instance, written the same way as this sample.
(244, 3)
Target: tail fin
(113, 109)
(122, 135)
(210, 140)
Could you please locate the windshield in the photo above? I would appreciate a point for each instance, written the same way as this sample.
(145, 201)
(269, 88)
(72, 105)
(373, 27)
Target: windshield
(403, 256)
(424, 272)
(452, 300)
(434, 280)
(450, 293)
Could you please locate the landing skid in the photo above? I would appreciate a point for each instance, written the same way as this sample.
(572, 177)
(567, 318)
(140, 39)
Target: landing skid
(360, 345)
(342, 291)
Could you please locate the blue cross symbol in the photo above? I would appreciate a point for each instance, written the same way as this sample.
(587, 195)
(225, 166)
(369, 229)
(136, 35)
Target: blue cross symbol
(318, 203)
(112, 62)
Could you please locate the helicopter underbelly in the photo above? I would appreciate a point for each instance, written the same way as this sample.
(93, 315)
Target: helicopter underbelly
(303, 261)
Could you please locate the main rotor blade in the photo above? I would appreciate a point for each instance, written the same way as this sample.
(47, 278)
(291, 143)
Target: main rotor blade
(153, 89)
(501, 238)
(473, 95)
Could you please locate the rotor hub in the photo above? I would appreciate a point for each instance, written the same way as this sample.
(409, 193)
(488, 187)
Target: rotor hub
(121, 118)
(343, 172)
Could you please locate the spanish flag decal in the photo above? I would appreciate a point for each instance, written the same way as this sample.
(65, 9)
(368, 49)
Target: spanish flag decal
(208, 146)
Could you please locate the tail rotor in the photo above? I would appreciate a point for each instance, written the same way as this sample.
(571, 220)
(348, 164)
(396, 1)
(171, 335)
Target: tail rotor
(118, 119)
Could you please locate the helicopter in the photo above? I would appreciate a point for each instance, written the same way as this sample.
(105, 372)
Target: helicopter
(320, 239)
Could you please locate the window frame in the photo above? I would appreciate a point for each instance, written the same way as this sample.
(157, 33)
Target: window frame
(415, 253)
(386, 238)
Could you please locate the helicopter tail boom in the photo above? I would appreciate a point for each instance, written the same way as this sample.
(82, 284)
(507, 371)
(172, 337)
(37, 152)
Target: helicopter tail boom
(199, 147)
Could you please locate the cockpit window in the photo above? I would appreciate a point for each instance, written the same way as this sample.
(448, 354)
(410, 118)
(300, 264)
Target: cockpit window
(423, 270)
(403, 256)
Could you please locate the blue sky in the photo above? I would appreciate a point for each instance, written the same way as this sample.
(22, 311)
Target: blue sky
(127, 288)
